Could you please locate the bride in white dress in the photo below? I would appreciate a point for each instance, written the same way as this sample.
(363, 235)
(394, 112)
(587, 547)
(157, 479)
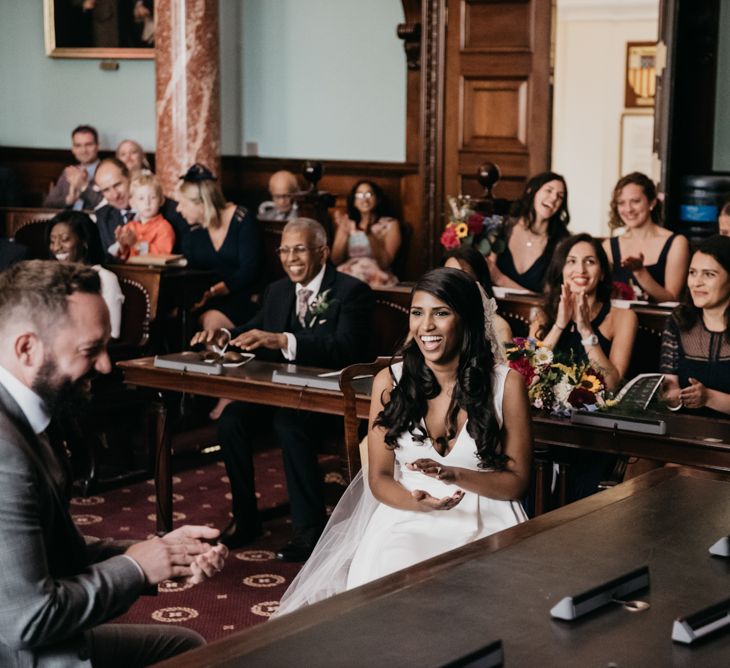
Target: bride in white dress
(449, 450)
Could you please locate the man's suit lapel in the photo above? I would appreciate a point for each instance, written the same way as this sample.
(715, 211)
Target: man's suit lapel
(283, 308)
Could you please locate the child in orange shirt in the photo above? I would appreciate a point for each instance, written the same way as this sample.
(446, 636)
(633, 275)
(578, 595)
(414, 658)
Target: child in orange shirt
(149, 233)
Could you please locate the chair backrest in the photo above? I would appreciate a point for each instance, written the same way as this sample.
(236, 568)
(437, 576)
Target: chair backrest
(28, 227)
(351, 458)
(136, 316)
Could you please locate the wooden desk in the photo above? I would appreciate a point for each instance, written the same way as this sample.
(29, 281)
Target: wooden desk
(686, 443)
(251, 383)
(502, 587)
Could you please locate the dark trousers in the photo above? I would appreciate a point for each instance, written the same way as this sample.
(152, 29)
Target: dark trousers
(298, 433)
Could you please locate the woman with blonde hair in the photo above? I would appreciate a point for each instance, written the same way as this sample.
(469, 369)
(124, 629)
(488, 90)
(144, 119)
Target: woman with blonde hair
(132, 155)
(223, 238)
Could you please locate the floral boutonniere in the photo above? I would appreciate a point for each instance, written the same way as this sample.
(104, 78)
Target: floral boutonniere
(319, 307)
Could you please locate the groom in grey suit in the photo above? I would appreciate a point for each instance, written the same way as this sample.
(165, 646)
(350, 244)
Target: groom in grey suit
(56, 589)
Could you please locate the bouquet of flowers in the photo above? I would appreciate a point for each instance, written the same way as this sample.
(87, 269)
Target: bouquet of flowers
(552, 385)
(467, 227)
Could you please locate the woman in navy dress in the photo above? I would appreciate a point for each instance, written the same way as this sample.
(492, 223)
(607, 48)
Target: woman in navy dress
(646, 255)
(224, 238)
(538, 222)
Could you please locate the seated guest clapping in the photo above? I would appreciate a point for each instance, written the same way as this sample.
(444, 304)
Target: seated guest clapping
(315, 316)
(71, 236)
(366, 240)
(132, 155)
(224, 238)
(449, 450)
(148, 233)
(577, 318)
(112, 181)
(281, 206)
(723, 220)
(696, 341)
(470, 260)
(646, 254)
(578, 321)
(74, 188)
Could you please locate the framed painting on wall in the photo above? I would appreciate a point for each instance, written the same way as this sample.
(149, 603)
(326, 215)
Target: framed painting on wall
(115, 29)
(640, 80)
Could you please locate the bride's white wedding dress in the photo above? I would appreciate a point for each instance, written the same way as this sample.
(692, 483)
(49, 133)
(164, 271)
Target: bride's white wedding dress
(365, 540)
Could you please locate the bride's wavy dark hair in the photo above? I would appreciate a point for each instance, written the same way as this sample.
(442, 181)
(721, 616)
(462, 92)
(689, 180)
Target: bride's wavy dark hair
(473, 391)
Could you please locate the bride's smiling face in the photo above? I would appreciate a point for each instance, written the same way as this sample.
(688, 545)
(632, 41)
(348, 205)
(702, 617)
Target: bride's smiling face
(435, 328)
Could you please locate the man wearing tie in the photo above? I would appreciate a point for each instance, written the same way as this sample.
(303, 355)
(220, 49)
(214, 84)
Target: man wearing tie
(57, 591)
(316, 316)
(112, 181)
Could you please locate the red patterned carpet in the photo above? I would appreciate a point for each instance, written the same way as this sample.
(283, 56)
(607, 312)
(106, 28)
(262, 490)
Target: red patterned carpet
(249, 588)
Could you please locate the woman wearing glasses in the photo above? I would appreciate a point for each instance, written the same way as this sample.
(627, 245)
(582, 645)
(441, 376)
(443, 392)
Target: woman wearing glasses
(366, 242)
(224, 238)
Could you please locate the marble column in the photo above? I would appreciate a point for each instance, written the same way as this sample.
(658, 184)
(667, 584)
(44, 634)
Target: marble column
(188, 88)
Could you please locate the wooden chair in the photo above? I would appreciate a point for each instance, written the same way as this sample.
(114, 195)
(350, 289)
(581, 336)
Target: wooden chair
(351, 461)
(28, 227)
(388, 322)
(136, 318)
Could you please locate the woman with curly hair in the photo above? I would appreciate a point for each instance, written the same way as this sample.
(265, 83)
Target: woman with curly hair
(449, 449)
(366, 240)
(646, 254)
(538, 222)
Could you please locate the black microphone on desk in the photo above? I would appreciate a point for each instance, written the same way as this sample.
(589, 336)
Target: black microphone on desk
(613, 591)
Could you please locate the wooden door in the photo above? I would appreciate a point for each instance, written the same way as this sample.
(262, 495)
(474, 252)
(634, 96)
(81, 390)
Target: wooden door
(497, 103)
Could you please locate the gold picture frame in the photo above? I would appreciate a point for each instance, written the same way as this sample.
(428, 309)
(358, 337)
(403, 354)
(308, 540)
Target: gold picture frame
(71, 30)
(640, 80)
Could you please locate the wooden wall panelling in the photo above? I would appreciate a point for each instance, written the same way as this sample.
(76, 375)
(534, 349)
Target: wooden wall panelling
(497, 92)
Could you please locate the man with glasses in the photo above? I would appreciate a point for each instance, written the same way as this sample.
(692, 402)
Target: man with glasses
(316, 316)
(282, 186)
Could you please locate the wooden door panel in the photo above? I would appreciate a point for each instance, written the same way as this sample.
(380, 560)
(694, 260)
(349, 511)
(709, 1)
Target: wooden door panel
(494, 26)
(497, 104)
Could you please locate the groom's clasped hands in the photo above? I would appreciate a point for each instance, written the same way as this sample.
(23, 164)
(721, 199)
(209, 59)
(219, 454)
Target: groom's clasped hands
(446, 474)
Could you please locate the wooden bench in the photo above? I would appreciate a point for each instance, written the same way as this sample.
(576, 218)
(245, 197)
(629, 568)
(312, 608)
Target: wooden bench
(28, 227)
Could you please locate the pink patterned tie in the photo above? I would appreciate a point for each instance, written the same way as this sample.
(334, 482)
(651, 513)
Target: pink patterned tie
(303, 304)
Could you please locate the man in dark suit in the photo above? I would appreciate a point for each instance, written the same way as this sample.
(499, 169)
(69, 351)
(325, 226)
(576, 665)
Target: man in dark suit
(56, 590)
(316, 316)
(112, 180)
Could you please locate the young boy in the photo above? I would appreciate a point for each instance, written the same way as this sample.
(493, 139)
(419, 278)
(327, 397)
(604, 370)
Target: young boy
(149, 233)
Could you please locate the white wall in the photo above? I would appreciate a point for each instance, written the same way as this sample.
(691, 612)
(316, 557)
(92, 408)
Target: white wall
(590, 58)
(343, 69)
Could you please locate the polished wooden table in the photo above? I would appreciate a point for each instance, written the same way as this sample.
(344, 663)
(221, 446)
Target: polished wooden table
(251, 383)
(692, 441)
(502, 587)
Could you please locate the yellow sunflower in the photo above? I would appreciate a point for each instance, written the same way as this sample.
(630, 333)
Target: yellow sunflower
(591, 383)
(462, 230)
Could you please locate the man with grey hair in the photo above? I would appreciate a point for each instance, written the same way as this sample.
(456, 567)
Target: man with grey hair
(316, 316)
(56, 589)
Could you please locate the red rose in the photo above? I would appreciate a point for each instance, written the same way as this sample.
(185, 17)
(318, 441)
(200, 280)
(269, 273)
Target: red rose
(475, 223)
(622, 291)
(580, 397)
(449, 240)
(524, 368)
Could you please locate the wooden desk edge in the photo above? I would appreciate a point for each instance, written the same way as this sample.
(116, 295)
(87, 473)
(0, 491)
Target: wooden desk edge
(239, 644)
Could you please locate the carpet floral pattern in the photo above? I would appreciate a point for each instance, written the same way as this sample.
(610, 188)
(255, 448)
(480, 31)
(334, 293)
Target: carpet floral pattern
(249, 588)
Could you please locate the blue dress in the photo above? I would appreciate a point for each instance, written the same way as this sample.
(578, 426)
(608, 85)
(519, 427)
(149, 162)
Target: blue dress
(236, 263)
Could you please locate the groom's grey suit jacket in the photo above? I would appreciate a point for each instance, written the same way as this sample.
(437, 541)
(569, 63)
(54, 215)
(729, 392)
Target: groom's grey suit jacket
(53, 585)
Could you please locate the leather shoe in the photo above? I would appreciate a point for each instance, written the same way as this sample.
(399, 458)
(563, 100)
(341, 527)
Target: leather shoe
(295, 552)
(301, 546)
(234, 537)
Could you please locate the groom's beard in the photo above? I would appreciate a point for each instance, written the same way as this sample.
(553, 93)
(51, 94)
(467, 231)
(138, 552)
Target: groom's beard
(61, 395)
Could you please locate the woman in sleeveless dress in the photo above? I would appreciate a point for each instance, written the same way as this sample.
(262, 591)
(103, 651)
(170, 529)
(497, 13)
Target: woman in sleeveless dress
(449, 450)
(538, 222)
(651, 257)
(366, 241)
(578, 322)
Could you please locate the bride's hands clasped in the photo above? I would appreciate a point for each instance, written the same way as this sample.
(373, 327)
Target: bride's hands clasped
(444, 473)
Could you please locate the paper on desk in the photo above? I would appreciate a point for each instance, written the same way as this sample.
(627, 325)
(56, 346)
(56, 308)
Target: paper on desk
(501, 293)
(626, 303)
(668, 304)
